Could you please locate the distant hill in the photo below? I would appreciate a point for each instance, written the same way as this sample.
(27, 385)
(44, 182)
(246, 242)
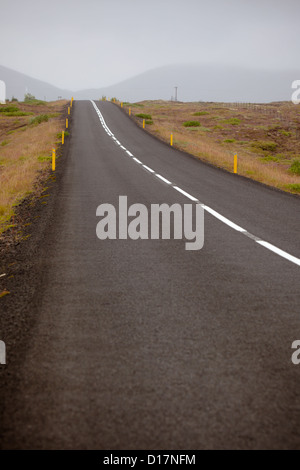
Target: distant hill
(203, 83)
(17, 84)
(195, 83)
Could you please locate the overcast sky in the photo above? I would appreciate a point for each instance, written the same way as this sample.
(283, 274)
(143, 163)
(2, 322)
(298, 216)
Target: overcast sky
(79, 44)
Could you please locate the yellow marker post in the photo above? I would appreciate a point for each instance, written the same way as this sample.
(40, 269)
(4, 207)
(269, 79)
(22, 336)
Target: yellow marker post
(129, 112)
(235, 164)
(121, 104)
(171, 140)
(67, 123)
(143, 123)
(53, 159)
(71, 102)
(69, 110)
(63, 137)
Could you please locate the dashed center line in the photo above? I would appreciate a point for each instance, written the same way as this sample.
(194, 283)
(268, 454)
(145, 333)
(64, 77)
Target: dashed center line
(163, 179)
(148, 169)
(211, 211)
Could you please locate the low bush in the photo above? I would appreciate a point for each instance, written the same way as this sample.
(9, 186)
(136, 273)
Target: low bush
(144, 116)
(191, 124)
(293, 187)
(265, 145)
(295, 167)
(269, 158)
(39, 119)
(200, 113)
(8, 109)
(232, 121)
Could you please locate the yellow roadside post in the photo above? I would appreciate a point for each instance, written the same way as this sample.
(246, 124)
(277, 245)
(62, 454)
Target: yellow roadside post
(129, 112)
(143, 123)
(121, 104)
(63, 137)
(53, 159)
(235, 164)
(67, 123)
(171, 140)
(69, 111)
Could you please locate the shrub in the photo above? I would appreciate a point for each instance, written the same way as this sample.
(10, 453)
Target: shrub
(269, 158)
(295, 167)
(39, 119)
(191, 124)
(9, 109)
(144, 116)
(4, 142)
(229, 141)
(44, 158)
(15, 113)
(286, 133)
(200, 113)
(265, 145)
(59, 135)
(28, 97)
(232, 121)
(149, 121)
(293, 187)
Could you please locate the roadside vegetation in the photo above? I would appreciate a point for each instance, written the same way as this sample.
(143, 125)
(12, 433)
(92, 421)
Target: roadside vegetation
(265, 137)
(28, 131)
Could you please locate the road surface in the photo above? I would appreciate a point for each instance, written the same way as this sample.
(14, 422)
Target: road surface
(141, 344)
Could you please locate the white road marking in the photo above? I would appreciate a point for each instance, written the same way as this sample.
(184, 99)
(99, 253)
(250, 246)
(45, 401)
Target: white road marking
(148, 169)
(214, 213)
(279, 252)
(186, 194)
(162, 178)
(224, 219)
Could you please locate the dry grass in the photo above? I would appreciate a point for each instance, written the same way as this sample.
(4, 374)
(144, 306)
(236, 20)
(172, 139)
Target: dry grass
(246, 129)
(25, 156)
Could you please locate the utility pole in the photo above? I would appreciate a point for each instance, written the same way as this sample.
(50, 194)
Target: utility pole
(176, 93)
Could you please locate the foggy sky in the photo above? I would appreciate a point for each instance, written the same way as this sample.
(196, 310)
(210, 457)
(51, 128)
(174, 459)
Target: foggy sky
(79, 44)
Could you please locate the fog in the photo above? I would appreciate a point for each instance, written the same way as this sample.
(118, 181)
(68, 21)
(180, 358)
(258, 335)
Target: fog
(78, 44)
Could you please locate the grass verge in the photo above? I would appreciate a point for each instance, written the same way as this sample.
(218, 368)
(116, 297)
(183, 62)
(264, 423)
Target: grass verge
(27, 153)
(266, 138)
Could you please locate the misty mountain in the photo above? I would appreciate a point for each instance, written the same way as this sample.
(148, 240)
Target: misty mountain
(203, 83)
(17, 84)
(194, 82)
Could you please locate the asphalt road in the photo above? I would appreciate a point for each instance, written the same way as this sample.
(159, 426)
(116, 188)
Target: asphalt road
(140, 344)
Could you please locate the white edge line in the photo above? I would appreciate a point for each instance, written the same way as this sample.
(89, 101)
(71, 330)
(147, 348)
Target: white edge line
(137, 160)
